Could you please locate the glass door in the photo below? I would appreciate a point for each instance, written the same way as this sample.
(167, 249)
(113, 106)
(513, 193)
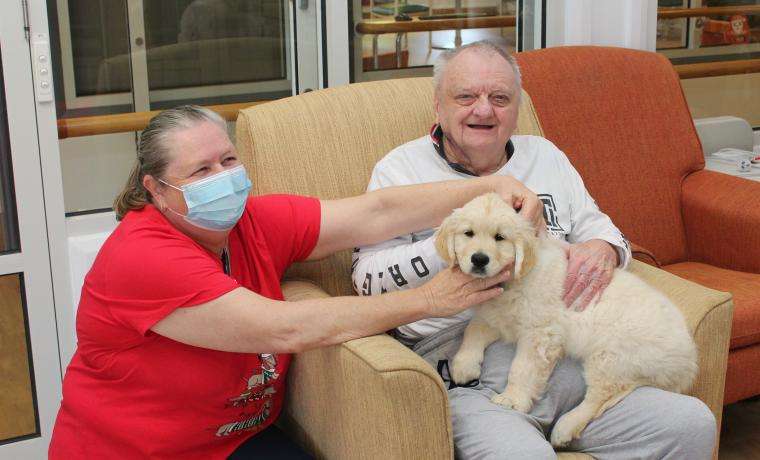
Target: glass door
(30, 370)
(404, 38)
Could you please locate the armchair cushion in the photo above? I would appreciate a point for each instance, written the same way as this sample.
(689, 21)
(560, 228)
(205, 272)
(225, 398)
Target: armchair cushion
(722, 219)
(744, 287)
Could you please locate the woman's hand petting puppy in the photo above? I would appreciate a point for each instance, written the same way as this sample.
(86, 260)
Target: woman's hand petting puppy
(451, 291)
(589, 270)
(523, 200)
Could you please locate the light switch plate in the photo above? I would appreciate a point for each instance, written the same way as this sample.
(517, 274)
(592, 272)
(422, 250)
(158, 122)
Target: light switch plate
(43, 68)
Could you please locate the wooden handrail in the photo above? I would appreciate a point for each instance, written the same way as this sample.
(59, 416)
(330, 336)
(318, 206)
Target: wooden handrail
(672, 13)
(715, 69)
(134, 121)
(419, 25)
(489, 10)
(426, 25)
(137, 121)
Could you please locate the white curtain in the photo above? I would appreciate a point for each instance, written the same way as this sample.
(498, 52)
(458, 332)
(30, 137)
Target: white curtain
(624, 23)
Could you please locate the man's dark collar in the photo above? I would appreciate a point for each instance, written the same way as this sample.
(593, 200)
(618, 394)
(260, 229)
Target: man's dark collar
(436, 136)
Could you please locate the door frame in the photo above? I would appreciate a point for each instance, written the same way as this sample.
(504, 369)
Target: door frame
(34, 258)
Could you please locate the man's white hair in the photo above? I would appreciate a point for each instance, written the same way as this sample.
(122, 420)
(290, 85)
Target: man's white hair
(482, 46)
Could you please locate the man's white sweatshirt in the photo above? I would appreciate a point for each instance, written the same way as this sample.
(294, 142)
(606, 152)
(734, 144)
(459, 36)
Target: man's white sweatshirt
(410, 260)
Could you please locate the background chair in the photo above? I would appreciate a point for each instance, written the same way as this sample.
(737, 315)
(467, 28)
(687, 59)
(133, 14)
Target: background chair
(372, 397)
(621, 117)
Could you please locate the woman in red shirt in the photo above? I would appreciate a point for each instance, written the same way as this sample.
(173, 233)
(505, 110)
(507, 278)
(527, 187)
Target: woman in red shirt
(184, 339)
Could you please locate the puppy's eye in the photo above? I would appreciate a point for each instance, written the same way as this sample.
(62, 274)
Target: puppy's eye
(498, 237)
(469, 233)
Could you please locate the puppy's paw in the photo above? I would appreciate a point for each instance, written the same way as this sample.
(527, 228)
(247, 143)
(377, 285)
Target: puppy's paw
(465, 367)
(514, 399)
(566, 429)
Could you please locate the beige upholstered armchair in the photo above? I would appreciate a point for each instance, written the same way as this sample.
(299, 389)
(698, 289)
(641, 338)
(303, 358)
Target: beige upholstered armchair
(372, 397)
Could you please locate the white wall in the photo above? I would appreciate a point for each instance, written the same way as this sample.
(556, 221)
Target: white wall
(95, 169)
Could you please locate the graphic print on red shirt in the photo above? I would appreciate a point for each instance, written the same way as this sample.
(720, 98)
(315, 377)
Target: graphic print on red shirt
(259, 392)
(131, 393)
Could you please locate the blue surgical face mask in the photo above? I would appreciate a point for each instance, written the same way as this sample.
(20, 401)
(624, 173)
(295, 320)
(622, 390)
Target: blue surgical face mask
(216, 202)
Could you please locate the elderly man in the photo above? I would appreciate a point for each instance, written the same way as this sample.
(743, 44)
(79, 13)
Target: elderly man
(477, 94)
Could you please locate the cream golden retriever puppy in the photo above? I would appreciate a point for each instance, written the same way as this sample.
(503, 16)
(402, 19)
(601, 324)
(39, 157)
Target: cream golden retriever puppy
(632, 336)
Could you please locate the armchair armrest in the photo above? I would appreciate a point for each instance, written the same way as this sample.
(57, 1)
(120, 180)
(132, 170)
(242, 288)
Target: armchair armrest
(708, 314)
(643, 254)
(721, 217)
(367, 398)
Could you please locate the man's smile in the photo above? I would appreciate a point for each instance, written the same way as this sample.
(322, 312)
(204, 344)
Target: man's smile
(484, 127)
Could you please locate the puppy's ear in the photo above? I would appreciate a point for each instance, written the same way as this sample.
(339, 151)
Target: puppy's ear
(444, 240)
(525, 257)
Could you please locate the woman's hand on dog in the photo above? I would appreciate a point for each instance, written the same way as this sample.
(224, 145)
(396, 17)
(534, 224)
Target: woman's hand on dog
(523, 200)
(451, 291)
(589, 270)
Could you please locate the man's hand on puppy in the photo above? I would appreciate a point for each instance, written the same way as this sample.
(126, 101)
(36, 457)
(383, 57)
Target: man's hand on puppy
(451, 291)
(589, 270)
(523, 200)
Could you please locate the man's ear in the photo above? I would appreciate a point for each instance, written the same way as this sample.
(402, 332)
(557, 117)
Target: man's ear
(436, 105)
(444, 240)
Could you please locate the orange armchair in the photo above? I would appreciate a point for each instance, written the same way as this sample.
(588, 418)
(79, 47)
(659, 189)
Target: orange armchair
(621, 117)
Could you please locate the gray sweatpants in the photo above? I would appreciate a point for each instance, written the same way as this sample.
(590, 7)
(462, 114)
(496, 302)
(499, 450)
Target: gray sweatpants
(648, 424)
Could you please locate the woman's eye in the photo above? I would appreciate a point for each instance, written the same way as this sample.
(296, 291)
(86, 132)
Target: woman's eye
(498, 237)
(201, 171)
(230, 159)
(469, 233)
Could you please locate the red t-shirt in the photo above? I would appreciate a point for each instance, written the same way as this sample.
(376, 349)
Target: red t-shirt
(131, 393)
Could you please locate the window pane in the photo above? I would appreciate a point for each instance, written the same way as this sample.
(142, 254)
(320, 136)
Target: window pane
(672, 33)
(715, 41)
(211, 42)
(216, 51)
(100, 46)
(9, 240)
(429, 27)
(17, 400)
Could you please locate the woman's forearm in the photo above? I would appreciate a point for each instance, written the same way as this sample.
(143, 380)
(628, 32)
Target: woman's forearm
(243, 321)
(328, 321)
(407, 209)
(387, 213)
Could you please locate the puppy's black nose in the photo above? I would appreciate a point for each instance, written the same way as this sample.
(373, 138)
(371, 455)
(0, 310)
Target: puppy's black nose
(479, 259)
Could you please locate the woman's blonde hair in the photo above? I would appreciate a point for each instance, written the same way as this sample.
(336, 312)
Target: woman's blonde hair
(153, 152)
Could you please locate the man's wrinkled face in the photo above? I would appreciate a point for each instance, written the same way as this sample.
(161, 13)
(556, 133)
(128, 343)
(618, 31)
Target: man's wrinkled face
(477, 102)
